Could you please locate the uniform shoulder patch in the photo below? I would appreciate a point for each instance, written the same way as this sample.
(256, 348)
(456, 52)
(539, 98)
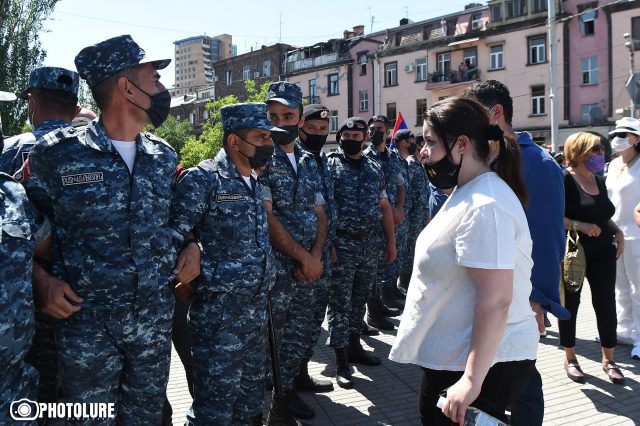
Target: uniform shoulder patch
(208, 165)
(56, 136)
(157, 139)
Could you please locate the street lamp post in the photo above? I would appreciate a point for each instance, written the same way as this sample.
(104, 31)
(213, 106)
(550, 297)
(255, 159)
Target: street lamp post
(630, 44)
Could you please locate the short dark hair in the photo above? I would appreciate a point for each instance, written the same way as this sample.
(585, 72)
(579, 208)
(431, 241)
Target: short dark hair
(103, 92)
(239, 132)
(490, 93)
(58, 101)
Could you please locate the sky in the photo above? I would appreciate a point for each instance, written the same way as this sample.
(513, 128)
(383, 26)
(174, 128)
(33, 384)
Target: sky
(156, 24)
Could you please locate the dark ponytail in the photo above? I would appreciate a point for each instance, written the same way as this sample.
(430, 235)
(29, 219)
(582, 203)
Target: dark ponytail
(508, 164)
(456, 116)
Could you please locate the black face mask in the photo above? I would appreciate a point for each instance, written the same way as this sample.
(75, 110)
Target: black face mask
(261, 156)
(160, 106)
(443, 174)
(282, 138)
(351, 146)
(411, 149)
(313, 143)
(377, 137)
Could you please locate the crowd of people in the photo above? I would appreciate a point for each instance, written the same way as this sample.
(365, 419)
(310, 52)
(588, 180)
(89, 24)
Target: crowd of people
(112, 250)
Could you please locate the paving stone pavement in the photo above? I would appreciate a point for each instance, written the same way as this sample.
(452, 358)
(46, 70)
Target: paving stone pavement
(387, 395)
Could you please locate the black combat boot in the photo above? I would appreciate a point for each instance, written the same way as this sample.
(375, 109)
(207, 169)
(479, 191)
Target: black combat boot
(256, 420)
(279, 413)
(300, 409)
(343, 373)
(367, 330)
(375, 317)
(357, 353)
(387, 297)
(304, 382)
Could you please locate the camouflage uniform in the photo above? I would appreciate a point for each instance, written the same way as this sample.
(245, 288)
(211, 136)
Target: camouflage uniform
(17, 229)
(358, 188)
(418, 215)
(228, 315)
(392, 166)
(17, 148)
(295, 196)
(114, 248)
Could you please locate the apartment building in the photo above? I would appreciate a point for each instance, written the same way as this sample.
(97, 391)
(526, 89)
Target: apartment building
(194, 59)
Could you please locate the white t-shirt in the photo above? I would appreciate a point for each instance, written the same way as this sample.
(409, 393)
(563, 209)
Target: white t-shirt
(623, 187)
(292, 160)
(127, 151)
(481, 225)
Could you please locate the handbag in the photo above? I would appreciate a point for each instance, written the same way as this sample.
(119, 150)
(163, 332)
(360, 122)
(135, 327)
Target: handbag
(574, 263)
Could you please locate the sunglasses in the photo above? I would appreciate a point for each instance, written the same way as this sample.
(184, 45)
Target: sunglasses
(597, 149)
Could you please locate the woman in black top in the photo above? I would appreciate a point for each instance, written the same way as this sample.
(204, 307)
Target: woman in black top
(588, 209)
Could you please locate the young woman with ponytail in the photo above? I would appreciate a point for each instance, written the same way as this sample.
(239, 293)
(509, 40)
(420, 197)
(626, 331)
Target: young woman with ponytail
(467, 319)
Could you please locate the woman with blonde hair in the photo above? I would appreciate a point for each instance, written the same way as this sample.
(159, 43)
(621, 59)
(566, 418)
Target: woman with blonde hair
(589, 211)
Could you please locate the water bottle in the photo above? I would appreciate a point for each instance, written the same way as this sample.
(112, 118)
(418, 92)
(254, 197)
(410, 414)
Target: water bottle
(475, 417)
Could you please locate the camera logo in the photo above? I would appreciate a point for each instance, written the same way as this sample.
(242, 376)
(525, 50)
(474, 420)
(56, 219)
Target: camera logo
(24, 410)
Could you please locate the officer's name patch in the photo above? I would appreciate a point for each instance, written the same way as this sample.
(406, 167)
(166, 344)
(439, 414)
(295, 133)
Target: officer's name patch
(221, 198)
(82, 178)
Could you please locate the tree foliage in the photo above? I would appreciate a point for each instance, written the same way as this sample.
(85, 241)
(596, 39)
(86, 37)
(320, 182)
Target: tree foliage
(195, 149)
(175, 132)
(20, 52)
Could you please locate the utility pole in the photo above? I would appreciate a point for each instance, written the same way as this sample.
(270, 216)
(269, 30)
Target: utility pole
(551, 24)
(630, 44)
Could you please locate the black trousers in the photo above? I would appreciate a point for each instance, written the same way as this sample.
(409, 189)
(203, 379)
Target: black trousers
(502, 386)
(601, 274)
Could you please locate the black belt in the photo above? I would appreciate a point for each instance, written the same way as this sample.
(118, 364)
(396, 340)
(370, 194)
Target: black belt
(357, 236)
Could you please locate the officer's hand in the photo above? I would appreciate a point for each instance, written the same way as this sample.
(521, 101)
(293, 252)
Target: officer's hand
(188, 264)
(184, 292)
(297, 273)
(52, 295)
(537, 309)
(311, 268)
(390, 253)
(398, 215)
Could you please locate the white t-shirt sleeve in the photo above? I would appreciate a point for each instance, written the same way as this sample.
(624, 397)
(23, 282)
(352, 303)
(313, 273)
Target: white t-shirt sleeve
(486, 239)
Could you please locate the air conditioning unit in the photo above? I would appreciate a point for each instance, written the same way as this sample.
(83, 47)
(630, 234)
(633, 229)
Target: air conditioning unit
(476, 25)
(409, 68)
(256, 74)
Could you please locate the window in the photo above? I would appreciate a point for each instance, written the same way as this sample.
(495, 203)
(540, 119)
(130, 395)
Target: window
(471, 55)
(363, 64)
(266, 69)
(496, 57)
(333, 121)
(364, 100)
(539, 5)
(537, 100)
(228, 78)
(391, 74)
(589, 70)
(391, 114)
(635, 31)
(496, 12)
(587, 22)
(421, 108)
(590, 113)
(421, 69)
(246, 73)
(444, 66)
(334, 87)
(516, 8)
(537, 49)
(313, 92)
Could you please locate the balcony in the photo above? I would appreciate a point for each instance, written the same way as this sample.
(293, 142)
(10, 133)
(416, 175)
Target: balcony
(294, 65)
(446, 78)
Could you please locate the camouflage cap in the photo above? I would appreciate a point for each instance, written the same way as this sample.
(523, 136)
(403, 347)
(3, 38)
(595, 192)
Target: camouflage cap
(403, 134)
(288, 94)
(315, 112)
(246, 116)
(53, 78)
(98, 62)
(378, 118)
(7, 96)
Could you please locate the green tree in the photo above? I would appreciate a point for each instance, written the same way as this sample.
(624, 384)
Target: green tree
(175, 132)
(20, 52)
(85, 98)
(195, 149)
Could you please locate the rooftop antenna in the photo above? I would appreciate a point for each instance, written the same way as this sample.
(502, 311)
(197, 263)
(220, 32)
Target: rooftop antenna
(406, 12)
(372, 18)
(280, 36)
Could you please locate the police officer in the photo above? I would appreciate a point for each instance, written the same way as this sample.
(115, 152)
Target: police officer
(298, 231)
(107, 191)
(416, 202)
(362, 206)
(313, 136)
(381, 301)
(227, 317)
(52, 95)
